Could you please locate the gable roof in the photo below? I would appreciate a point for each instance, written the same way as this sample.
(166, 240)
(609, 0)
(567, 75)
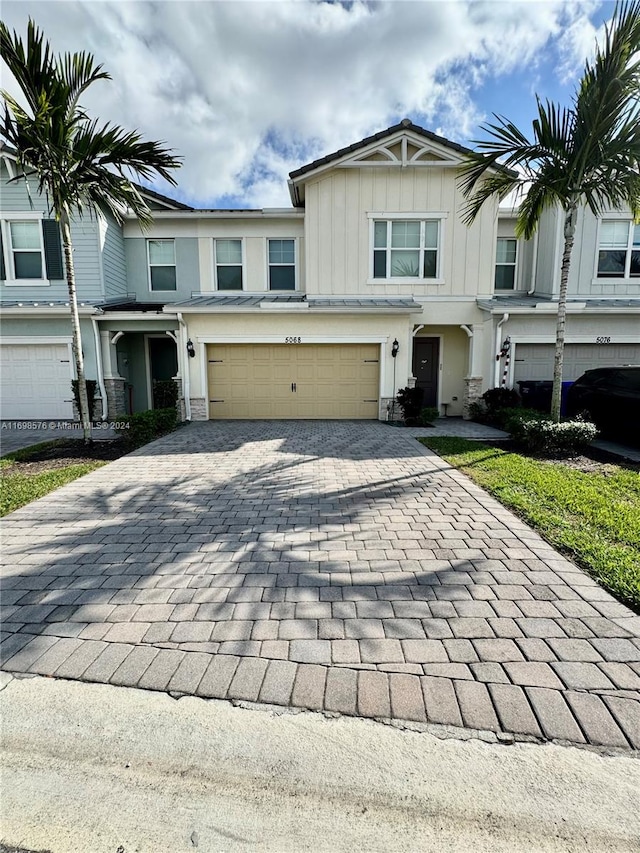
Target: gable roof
(405, 124)
(434, 151)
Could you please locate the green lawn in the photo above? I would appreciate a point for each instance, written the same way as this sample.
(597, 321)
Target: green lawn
(594, 518)
(18, 488)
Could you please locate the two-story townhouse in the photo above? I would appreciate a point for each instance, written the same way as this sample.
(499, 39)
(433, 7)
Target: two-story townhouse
(368, 283)
(603, 302)
(36, 363)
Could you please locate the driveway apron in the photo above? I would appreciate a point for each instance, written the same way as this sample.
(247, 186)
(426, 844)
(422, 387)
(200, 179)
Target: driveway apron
(335, 566)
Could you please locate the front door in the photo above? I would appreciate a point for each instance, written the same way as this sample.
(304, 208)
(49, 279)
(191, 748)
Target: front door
(163, 361)
(426, 358)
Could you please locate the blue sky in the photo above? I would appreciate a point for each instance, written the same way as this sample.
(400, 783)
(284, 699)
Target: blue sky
(248, 90)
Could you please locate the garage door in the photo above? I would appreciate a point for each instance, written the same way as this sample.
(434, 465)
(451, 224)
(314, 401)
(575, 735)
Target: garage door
(254, 381)
(35, 381)
(535, 361)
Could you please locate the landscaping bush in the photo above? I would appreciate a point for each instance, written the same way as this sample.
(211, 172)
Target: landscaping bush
(428, 415)
(505, 417)
(410, 402)
(165, 393)
(547, 438)
(143, 427)
(488, 409)
(91, 394)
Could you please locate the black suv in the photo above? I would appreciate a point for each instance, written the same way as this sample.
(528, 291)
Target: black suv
(610, 397)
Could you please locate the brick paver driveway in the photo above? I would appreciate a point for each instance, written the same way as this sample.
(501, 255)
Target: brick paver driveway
(334, 566)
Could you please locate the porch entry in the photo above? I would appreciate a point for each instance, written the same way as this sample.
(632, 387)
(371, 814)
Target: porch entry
(426, 360)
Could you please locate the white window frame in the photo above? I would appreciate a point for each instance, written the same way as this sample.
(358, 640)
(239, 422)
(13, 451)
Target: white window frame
(216, 265)
(627, 277)
(399, 216)
(269, 264)
(7, 249)
(149, 264)
(501, 264)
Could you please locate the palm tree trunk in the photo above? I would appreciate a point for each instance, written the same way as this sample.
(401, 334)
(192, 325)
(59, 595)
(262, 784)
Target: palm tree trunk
(76, 343)
(569, 234)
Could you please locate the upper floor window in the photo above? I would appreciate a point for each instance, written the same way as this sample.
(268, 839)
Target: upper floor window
(406, 249)
(282, 265)
(619, 249)
(228, 263)
(30, 251)
(506, 251)
(162, 264)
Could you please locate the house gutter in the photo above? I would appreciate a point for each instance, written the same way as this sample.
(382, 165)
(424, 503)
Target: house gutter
(496, 370)
(99, 368)
(186, 384)
(534, 265)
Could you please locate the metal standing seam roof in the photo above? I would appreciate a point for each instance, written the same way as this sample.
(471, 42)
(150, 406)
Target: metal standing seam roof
(254, 300)
(506, 302)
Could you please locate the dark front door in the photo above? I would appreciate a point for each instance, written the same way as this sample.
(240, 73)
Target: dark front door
(426, 357)
(164, 363)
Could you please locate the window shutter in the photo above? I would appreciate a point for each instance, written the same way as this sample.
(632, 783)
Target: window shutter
(3, 275)
(52, 250)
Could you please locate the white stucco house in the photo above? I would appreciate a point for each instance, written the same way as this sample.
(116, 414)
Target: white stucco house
(368, 283)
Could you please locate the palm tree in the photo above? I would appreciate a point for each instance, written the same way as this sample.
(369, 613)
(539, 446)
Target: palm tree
(78, 165)
(588, 153)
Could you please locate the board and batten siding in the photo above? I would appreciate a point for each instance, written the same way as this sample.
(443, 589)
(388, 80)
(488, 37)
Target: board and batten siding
(338, 231)
(582, 274)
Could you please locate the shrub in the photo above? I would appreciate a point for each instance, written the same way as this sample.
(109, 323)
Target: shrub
(143, 427)
(165, 393)
(505, 417)
(478, 411)
(551, 439)
(410, 401)
(91, 394)
(428, 415)
(501, 398)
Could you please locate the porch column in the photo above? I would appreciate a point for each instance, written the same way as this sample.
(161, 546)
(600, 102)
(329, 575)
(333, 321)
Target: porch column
(113, 382)
(473, 379)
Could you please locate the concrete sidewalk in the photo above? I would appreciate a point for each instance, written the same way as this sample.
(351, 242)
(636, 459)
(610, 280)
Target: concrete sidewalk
(100, 768)
(332, 566)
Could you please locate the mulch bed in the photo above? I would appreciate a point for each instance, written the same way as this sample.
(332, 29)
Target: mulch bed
(65, 452)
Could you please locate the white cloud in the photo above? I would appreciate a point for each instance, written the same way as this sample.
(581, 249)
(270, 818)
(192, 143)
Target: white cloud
(247, 91)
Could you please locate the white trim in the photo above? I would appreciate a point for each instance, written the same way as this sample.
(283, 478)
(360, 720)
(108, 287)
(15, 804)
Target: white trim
(280, 339)
(147, 358)
(99, 367)
(174, 264)
(216, 289)
(627, 279)
(516, 270)
(153, 316)
(422, 218)
(8, 250)
(399, 214)
(295, 265)
(574, 339)
(34, 339)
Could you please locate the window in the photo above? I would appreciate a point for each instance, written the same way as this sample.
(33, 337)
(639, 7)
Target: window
(506, 263)
(228, 260)
(619, 249)
(282, 265)
(162, 264)
(405, 249)
(30, 251)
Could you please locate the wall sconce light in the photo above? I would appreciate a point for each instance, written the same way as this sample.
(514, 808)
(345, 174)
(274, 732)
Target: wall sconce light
(191, 349)
(395, 346)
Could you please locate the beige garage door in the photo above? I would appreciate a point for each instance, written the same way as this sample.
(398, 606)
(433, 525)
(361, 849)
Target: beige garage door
(535, 361)
(254, 381)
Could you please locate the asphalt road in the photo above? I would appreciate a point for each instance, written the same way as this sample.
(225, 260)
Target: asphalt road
(114, 770)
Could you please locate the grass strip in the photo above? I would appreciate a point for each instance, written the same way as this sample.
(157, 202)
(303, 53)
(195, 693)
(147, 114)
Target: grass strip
(594, 518)
(16, 489)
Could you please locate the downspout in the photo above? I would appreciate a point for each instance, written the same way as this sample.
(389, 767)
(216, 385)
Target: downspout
(534, 265)
(186, 384)
(496, 370)
(99, 368)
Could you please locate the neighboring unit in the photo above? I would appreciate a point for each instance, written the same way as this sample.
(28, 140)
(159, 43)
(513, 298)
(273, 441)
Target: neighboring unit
(294, 313)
